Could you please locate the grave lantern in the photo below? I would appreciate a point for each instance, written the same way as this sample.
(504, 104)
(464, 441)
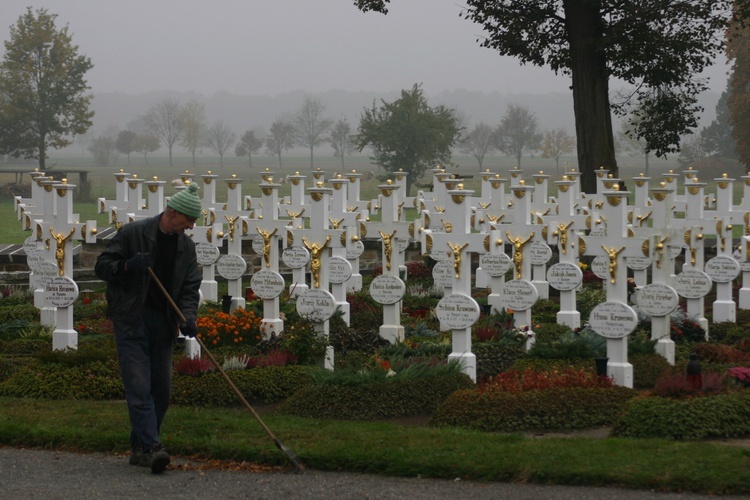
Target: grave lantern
(87, 296)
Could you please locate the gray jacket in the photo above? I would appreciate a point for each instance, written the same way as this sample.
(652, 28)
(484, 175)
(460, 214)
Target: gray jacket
(127, 292)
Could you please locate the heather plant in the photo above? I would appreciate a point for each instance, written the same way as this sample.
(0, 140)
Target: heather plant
(679, 385)
(194, 366)
(739, 376)
(235, 362)
(514, 381)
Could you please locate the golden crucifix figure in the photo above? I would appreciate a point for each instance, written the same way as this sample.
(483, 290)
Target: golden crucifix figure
(518, 245)
(60, 249)
(231, 221)
(267, 244)
(315, 250)
(660, 246)
(562, 234)
(335, 223)
(612, 254)
(456, 249)
(387, 247)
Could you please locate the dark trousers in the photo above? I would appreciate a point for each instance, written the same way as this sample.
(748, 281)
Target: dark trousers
(146, 367)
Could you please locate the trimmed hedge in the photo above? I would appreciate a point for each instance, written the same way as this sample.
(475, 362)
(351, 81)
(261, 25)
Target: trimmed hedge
(495, 357)
(647, 369)
(720, 416)
(260, 385)
(388, 399)
(544, 410)
(96, 380)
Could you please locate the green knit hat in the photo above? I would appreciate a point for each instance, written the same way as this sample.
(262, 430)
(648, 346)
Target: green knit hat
(187, 202)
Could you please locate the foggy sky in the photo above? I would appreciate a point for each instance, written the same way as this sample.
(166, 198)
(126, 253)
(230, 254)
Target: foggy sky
(269, 47)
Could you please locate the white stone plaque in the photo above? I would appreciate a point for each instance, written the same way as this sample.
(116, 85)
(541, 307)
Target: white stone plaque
(722, 269)
(441, 255)
(387, 289)
(206, 253)
(457, 311)
(613, 320)
(60, 291)
(339, 270)
(539, 253)
(258, 244)
(355, 251)
(637, 263)
(745, 266)
(598, 230)
(34, 252)
(600, 267)
(518, 295)
(231, 266)
(657, 299)
(564, 276)
(44, 271)
(692, 284)
(674, 251)
(295, 257)
(495, 265)
(267, 284)
(442, 273)
(316, 305)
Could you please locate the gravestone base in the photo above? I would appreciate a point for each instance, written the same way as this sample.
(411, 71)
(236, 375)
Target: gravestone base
(210, 290)
(622, 373)
(191, 348)
(468, 363)
(724, 310)
(542, 288)
(237, 303)
(482, 279)
(666, 349)
(569, 318)
(744, 298)
(272, 326)
(495, 302)
(326, 362)
(47, 316)
(392, 333)
(345, 308)
(63, 339)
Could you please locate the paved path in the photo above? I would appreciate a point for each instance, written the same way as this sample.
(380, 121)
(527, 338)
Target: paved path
(54, 474)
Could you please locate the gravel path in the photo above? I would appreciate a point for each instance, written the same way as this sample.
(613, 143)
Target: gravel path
(55, 474)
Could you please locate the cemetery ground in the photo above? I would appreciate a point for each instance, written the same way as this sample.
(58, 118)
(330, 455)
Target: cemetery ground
(402, 410)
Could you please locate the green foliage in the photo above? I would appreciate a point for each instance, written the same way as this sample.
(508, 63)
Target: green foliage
(647, 368)
(15, 318)
(550, 332)
(717, 416)
(384, 399)
(494, 358)
(46, 99)
(25, 347)
(589, 297)
(545, 364)
(408, 134)
(79, 357)
(263, 385)
(425, 350)
(539, 410)
(583, 344)
(92, 380)
(363, 337)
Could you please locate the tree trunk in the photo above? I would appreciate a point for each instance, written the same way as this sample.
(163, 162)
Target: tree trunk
(42, 154)
(596, 145)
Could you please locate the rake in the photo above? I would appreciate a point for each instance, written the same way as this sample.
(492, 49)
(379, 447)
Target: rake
(288, 452)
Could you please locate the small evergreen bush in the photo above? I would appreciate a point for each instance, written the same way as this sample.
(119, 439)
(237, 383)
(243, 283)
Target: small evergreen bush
(647, 369)
(717, 416)
(93, 380)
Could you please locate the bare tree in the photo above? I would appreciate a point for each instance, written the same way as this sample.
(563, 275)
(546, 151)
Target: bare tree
(310, 126)
(478, 142)
(248, 146)
(517, 133)
(281, 138)
(691, 151)
(340, 139)
(220, 138)
(557, 142)
(164, 121)
(102, 148)
(193, 126)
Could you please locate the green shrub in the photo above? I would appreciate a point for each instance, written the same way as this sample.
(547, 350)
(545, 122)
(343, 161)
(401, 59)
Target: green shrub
(82, 356)
(647, 368)
(550, 332)
(25, 347)
(542, 364)
(494, 358)
(717, 332)
(542, 410)
(94, 380)
(386, 399)
(719, 416)
(262, 385)
(583, 344)
(589, 297)
(14, 321)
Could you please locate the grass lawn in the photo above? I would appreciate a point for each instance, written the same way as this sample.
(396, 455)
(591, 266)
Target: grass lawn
(388, 448)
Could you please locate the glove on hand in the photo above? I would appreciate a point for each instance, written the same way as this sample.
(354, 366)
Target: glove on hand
(138, 262)
(189, 329)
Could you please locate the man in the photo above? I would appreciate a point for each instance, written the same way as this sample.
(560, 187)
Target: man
(145, 324)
